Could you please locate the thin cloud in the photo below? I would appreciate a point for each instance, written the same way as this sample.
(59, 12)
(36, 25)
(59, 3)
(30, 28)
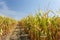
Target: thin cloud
(4, 10)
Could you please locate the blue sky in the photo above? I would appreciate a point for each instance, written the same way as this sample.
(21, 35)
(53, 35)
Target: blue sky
(20, 8)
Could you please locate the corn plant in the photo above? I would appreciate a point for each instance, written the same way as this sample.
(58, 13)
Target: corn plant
(42, 27)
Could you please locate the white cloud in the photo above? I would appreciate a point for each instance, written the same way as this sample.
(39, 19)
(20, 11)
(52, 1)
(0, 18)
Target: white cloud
(4, 10)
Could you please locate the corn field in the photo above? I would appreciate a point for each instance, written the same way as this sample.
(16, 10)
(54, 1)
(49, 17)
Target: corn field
(39, 26)
(42, 27)
(6, 26)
